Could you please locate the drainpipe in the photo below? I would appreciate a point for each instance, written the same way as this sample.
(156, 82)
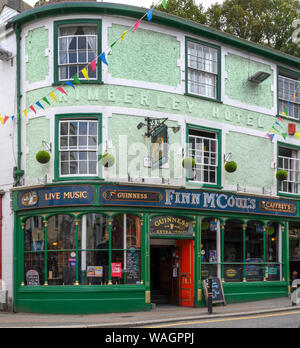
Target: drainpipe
(18, 172)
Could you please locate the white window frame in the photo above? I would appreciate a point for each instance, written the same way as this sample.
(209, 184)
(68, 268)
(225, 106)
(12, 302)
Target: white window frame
(201, 166)
(285, 97)
(201, 71)
(292, 166)
(87, 148)
(78, 65)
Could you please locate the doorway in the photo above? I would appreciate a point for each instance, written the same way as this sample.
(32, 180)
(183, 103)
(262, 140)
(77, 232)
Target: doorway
(172, 272)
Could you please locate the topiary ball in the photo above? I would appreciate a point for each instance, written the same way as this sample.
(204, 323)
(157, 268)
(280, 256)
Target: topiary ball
(281, 175)
(107, 160)
(188, 163)
(230, 167)
(43, 157)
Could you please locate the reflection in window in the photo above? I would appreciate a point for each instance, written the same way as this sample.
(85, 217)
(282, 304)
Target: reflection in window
(61, 246)
(209, 248)
(94, 256)
(233, 251)
(254, 251)
(272, 252)
(34, 258)
(126, 249)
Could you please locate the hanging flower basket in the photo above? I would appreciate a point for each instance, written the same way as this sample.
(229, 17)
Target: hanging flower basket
(281, 175)
(230, 167)
(43, 157)
(107, 160)
(188, 163)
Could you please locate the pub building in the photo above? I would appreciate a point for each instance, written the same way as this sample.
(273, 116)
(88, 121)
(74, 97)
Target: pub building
(90, 228)
(119, 245)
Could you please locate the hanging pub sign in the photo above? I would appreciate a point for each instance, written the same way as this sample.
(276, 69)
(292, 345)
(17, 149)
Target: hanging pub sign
(171, 226)
(55, 196)
(194, 199)
(159, 148)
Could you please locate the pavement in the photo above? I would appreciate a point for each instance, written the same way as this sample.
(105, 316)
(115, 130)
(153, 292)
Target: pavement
(160, 315)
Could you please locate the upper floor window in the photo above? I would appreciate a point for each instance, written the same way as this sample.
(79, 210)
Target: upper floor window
(289, 96)
(76, 45)
(202, 70)
(203, 147)
(289, 160)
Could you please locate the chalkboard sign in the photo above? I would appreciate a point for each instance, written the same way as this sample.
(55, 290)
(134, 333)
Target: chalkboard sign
(32, 278)
(217, 291)
(133, 267)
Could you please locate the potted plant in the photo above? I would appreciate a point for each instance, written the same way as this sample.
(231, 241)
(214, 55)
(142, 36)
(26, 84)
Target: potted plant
(188, 163)
(107, 160)
(43, 157)
(230, 167)
(281, 175)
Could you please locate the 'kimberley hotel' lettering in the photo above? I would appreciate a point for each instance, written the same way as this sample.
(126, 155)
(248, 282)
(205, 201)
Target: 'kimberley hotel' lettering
(66, 195)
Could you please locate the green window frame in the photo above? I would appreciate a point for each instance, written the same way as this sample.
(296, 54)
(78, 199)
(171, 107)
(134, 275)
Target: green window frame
(262, 253)
(288, 164)
(216, 70)
(218, 138)
(55, 250)
(77, 117)
(287, 82)
(74, 22)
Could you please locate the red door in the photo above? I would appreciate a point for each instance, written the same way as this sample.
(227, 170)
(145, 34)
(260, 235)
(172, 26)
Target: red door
(186, 272)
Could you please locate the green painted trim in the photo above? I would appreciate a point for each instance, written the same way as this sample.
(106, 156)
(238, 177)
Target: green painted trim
(98, 22)
(220, 161)
(160, 18)
(77, 116)
(219, 75)
(282, 194)
(19, 172)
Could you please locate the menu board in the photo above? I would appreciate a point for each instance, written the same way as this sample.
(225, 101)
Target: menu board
(217, 290)
(133, 266)
(32, 278)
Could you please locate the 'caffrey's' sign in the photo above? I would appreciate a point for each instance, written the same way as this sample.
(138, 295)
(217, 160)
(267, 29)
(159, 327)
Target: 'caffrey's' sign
(192, 199)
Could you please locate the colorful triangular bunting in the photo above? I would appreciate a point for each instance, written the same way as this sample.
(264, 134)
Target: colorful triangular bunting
(103, 58)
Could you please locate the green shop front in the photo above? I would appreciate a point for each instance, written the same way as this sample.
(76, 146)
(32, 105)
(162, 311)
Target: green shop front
(96, 248)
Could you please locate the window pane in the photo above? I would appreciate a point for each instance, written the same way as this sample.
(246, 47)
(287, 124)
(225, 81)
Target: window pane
(233, 241)
(82, 42)
(117, 234)
(61, 233)
(254, 251)
(272, 247)
(61, 267)
(96, 270)
(34, 235)
(209, 240)
(133, 230)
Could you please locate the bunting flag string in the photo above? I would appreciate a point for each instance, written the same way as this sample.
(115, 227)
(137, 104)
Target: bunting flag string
(93, 65)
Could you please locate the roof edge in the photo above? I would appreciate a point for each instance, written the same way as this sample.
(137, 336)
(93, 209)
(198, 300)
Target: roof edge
(158, 17)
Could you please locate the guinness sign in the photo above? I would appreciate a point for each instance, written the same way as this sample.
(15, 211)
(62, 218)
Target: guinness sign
(171, 226)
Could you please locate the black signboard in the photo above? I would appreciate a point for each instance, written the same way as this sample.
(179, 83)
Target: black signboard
(217, 291)
(133, 268)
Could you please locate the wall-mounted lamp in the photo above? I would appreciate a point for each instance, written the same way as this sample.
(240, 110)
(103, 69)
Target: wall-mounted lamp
(4, 55)
(48, 146)
(259, 77)
(153, 124)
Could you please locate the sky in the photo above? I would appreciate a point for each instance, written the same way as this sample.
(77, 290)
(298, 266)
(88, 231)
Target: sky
(142, 3)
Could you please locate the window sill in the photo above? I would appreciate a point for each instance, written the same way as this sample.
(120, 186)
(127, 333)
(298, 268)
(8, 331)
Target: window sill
(203, 98)
(82, 82)
(80, 178)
